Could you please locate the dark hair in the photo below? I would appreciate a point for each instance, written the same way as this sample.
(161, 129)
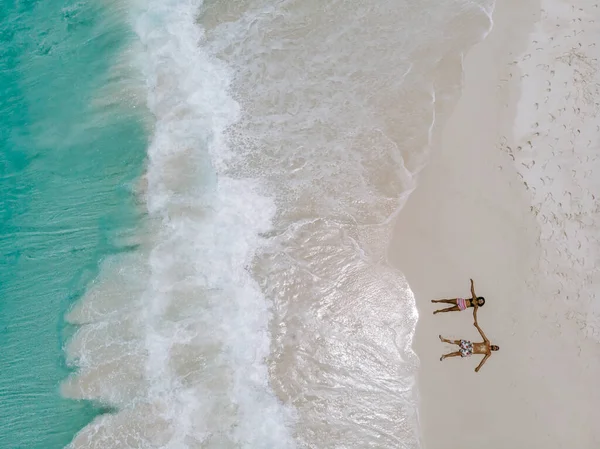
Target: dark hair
(482, 299)
(495, 348)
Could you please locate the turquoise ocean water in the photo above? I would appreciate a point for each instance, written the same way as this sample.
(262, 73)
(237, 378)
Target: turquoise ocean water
(67, 165)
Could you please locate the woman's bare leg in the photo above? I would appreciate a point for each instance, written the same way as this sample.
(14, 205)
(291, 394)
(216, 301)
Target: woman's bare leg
(449, 309)
(452, 354)
(452, 342)
(445, 301)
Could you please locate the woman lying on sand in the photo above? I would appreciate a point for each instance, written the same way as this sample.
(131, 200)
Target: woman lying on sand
(461, 304)
(467, 348)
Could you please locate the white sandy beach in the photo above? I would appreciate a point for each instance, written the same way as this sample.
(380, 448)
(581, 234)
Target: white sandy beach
(481, 211)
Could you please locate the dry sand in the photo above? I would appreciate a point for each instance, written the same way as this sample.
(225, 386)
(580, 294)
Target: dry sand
(471, 216)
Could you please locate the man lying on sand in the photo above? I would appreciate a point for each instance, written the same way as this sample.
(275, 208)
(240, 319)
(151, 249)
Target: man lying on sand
(467, 348)
(461, 304)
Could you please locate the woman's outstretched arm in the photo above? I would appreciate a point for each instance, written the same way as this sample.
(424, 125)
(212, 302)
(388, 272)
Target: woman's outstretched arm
(473, 291)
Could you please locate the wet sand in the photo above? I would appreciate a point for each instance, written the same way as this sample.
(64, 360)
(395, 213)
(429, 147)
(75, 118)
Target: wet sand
(471, 217)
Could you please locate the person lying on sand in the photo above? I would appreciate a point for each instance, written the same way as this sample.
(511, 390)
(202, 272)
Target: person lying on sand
(461, 304)
(467, 348)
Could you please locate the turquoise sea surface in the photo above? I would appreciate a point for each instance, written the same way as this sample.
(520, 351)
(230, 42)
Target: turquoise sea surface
(67, 167)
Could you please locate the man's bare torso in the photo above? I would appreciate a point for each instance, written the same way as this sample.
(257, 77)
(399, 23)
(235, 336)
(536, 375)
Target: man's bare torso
(481, 348)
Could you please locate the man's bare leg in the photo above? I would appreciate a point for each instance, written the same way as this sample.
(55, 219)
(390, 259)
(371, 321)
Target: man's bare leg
(452, 342)
(452, 354)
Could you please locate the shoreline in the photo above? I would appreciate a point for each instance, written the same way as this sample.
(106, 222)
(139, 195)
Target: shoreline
(471, 217)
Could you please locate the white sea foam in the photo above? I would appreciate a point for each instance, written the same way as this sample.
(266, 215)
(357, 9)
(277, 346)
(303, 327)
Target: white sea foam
(179, 346)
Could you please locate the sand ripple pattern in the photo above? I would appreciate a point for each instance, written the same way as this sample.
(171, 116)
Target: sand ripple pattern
(556, 152)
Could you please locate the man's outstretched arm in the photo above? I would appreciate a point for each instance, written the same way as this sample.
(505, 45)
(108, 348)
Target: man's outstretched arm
(477, 326)
(487, 356)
